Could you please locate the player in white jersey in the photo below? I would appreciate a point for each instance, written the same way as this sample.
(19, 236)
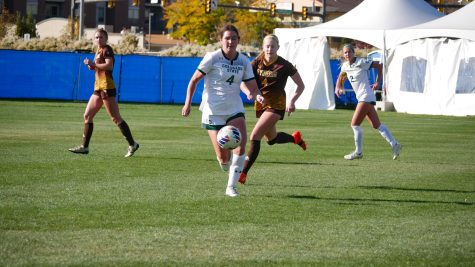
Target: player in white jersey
(356, 71)
(226, 72)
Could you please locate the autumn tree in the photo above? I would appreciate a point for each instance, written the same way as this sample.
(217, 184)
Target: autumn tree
(189, 21)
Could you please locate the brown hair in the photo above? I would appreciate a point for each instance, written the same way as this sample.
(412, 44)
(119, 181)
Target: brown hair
(230, 28)
(103, 32)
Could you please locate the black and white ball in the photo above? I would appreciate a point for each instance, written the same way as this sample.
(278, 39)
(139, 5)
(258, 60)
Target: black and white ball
(229, 137)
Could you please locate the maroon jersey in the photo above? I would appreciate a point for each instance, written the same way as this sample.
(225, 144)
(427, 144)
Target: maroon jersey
(104, 77)
(271, 80)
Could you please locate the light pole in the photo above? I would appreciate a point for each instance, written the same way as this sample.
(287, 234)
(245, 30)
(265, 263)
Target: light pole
(81, 19)
(149, 29)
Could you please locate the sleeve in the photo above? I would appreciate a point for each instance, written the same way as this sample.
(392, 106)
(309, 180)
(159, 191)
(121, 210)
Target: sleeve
(254, 65)
(365, 63)
(248, 72)
(291, 69)
(206, 63)
(108, 52)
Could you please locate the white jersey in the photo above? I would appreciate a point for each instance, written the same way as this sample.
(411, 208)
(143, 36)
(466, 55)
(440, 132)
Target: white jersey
(223, 77)
(358, 75)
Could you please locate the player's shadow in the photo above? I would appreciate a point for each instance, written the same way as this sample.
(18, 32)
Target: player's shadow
(416, 189)
(278, 162)
(294, 162)
(360, 201)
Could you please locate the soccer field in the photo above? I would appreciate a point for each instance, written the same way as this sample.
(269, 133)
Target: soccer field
(165, 206)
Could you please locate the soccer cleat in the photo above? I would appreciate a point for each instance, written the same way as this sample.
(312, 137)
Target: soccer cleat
(242, 178)
(353, 156)
(298, 140)
(231, 191)
(131, 150)
(396, 150)
(79, 150)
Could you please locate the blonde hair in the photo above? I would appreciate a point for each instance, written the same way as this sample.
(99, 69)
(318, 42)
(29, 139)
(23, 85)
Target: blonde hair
(272, 37)
(349, 46)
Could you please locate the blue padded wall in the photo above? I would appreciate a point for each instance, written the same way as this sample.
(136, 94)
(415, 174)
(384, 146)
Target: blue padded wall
(138, 78)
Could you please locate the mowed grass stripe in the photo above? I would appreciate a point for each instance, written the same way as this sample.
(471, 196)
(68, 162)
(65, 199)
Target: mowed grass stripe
(165, 206)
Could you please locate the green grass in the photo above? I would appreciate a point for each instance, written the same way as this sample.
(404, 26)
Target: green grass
(166, 206)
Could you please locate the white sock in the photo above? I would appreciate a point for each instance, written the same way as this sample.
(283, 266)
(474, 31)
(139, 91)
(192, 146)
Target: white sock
(386, 134)
(237, 164)
(358, 135)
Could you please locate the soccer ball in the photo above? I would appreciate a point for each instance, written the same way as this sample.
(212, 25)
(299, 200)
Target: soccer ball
(229, 137)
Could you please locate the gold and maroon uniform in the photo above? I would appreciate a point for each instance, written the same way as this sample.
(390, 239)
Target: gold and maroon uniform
(104, 79)
(271, 79)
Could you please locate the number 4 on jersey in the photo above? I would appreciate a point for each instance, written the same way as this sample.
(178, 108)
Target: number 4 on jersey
(230, 80)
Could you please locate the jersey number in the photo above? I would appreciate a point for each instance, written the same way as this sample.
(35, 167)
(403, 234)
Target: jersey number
(351, 78)
(230, 80)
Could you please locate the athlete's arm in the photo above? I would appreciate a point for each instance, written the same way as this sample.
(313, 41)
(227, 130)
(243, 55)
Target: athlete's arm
(378, 68)
(108, 65)
(253, 92)
(195, 79)
(300, 86)
(339, 83)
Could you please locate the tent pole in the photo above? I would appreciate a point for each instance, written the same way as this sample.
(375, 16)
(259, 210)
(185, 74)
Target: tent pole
(383, 88)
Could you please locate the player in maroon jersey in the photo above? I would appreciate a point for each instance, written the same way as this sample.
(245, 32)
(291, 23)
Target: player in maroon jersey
(272, 72)
(104, 95)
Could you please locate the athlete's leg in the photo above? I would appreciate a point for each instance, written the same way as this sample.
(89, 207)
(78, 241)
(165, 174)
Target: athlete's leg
(264, 126)
(93, 106)
(112, 107)
(237, 162)
(373, 118)
(222, 155)
(385, 133)
(360, 113)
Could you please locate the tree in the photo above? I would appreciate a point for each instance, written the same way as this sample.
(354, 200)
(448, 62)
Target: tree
(25, 25)
(254, 26)
(190, 22)
(6, 19)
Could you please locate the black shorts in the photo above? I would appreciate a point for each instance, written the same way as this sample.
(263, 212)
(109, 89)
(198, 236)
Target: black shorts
(280, 112)
(103, 94)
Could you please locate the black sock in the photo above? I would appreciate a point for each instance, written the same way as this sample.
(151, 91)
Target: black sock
(86, 136)
(281, 138)
(124, 128)
(254, 149)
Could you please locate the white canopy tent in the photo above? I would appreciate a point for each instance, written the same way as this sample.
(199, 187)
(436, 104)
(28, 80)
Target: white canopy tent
(366, 22)
(434, 71)
(459, 24)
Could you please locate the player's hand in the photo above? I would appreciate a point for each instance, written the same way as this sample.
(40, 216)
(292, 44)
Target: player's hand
(290, 108)
(185, 111)
(375, 85)
(90, 64)
(260, 99)
(338, 91)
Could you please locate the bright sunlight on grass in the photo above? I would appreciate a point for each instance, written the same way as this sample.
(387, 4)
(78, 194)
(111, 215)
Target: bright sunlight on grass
(165, 206)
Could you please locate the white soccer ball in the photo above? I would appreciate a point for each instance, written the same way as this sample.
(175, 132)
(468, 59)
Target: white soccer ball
(229, 137)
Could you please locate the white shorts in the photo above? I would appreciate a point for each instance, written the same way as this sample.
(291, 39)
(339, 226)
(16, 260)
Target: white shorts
(216, 122)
